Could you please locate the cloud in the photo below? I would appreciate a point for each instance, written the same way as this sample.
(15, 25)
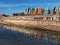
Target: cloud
(26, 4)
(8, 5)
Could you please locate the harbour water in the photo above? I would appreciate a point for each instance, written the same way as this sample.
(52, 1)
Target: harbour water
(14, 35)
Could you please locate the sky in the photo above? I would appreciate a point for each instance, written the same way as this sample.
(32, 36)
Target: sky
(16, 6)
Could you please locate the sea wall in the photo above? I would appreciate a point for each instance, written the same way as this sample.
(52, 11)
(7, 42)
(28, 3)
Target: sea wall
(46, 25)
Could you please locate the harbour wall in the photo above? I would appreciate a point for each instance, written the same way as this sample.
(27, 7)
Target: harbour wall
(35, 22)
(45, 25)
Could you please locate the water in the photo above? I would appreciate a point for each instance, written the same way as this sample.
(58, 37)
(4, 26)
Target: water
(23, 36)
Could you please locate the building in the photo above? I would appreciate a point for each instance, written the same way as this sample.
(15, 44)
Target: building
(38, 11)
(46, 11)
(54, 10)
(34, 12)
(28, 11)
(57, 9)
(18, 14)
(42, 11)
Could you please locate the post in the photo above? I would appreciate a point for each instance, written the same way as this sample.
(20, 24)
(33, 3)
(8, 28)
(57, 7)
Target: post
(44, 18)
(51, 18)
(57, 19)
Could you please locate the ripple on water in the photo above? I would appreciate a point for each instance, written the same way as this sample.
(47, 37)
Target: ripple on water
(8, 37)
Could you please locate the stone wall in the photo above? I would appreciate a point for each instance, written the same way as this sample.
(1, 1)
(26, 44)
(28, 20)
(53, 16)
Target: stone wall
(50, 25)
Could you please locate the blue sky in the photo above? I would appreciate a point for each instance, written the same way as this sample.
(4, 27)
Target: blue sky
(14, 6)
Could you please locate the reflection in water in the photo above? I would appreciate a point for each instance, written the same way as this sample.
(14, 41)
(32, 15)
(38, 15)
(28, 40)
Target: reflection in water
(43, 35)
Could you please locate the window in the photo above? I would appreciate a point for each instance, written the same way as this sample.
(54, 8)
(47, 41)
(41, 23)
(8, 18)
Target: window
(38, 18)
(48, 18)
(58, 18)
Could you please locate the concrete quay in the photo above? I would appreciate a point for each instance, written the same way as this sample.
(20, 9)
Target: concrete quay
(45, 22)
(45, 25)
